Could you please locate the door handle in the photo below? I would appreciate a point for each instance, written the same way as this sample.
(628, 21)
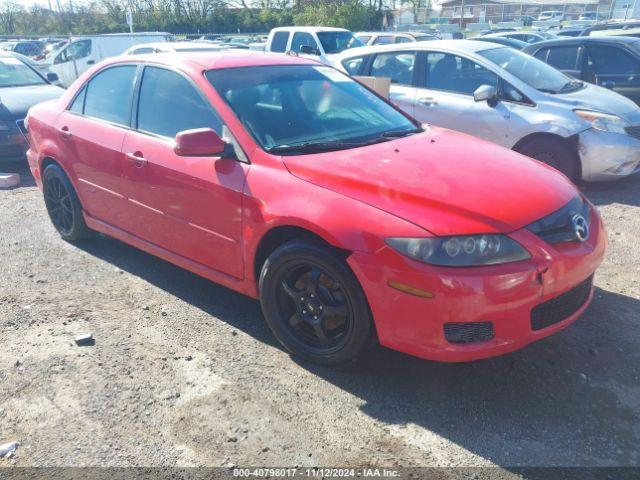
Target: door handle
(64, 132)
(428, 101)
(137, 159)
(91, 62)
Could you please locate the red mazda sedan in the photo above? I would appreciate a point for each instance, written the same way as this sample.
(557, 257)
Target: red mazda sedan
(290, 182)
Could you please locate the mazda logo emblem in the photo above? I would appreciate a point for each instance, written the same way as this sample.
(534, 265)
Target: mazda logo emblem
(581, 227)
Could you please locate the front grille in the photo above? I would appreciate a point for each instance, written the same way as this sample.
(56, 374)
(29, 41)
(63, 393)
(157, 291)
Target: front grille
(634, 131)
(561, 307)
(470, 332)
(558, 227)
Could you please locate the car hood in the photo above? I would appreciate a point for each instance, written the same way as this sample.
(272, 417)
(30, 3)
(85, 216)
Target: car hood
(599, 99)
(16, 101)
(446, 182)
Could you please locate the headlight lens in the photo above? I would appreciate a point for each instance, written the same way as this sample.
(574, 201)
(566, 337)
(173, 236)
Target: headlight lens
(461, 251)
(604, 121)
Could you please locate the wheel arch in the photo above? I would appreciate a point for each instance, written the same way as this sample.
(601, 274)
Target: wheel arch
(281, 234)
(571, 141)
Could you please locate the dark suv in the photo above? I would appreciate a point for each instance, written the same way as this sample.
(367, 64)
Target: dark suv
(612, 62)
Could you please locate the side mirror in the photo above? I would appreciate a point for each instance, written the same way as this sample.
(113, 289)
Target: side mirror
(199, 142)
(486, 93)
(309, 50)
(52, 77)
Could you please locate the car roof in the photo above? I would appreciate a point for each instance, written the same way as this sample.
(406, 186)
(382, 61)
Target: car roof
(211, 60)
(464, 46)
(614, 39)
(310, 29)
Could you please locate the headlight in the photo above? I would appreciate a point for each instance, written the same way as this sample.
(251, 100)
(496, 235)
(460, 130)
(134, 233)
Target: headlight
(604, 121)
(461, 251)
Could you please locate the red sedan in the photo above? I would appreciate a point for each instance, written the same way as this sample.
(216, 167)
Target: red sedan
(290, 182)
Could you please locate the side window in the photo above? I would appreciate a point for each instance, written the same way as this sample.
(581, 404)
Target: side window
(563, 58)
(403, 40)
(456, 74)
(364, 38)
(383, 40)
(109, 94)
(352, 65)
(398, 66)
(74, 51)
(542, 54)
(518, 36)
(279, 42)
(169, 104)
(78, 103)
(302, 38)
(510, 93)
(612, 61)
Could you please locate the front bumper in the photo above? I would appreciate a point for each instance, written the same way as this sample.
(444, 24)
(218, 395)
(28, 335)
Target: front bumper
(504, 295)
(608, 156)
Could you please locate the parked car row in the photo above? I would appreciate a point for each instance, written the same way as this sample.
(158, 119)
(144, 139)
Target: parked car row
(289, 181)
(512, 99)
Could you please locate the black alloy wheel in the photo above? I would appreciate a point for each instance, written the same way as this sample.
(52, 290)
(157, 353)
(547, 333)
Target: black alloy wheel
(63, 205)
(314, 304)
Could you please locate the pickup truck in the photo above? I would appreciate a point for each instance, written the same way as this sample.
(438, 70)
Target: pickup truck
(320, 43)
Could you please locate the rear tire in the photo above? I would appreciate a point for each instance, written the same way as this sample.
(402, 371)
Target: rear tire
(556, 154)
(63, 206)
(314, 304)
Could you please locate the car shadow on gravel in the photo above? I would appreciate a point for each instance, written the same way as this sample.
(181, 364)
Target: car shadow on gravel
(233, 308)
(570, 399)
(625, 191)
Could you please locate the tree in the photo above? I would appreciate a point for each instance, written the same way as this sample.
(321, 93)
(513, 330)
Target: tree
(9, 12)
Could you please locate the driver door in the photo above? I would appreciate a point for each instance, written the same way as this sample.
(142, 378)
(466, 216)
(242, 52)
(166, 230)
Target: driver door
(445, 98)
(191, 206)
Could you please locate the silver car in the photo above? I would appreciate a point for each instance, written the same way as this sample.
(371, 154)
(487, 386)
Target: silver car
(510, 98)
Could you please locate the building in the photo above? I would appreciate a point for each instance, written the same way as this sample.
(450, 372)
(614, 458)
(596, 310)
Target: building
(495, 11)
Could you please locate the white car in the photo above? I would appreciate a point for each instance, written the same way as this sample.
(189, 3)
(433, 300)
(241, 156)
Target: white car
(166, 47)
(386, 38)
(551, 15)
(319, 43)
(508, 97)
(528, 36)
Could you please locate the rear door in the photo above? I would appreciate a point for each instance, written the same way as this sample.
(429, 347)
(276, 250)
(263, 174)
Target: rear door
(91, 134)
(190, 206)
(400, 68)
(445, 97)
(615, 68)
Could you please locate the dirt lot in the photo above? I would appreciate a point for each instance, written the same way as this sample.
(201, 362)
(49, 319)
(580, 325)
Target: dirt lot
(185, 372)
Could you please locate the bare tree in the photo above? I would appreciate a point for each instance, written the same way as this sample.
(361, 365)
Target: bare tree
(9, 12)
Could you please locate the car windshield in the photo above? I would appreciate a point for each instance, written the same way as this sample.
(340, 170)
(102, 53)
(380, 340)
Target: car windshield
(336, 42)
(531, 71)
(14, 73)
(302, 109)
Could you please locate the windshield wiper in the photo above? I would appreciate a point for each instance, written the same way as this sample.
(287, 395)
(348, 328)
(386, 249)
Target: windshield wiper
(400, 133)
(313, 147)
(316, 147)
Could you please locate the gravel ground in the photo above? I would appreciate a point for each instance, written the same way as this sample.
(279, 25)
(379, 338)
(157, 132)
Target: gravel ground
(186, 373)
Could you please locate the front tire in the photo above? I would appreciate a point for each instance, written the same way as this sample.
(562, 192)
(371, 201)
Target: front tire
(556, 154)
(314, 304)
(63, 206)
